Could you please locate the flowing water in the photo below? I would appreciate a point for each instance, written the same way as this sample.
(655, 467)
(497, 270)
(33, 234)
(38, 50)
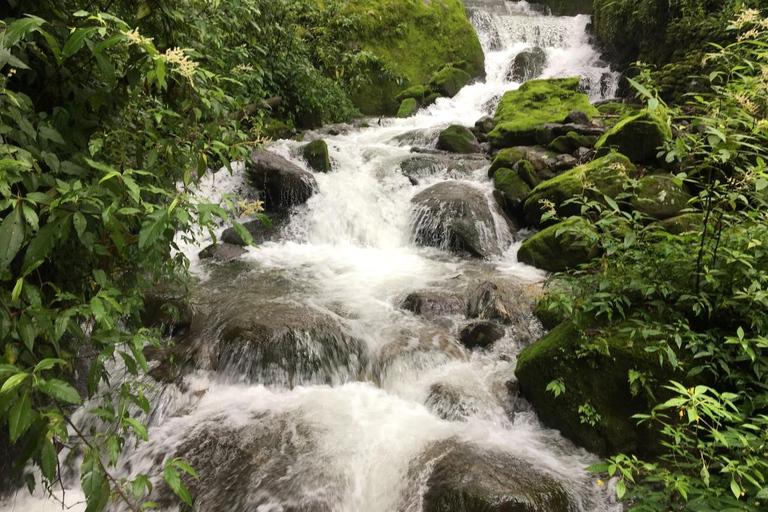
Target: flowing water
(359, 426)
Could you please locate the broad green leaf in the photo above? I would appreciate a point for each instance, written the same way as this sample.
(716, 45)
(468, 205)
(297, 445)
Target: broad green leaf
(60, 390)
(137, 427)
(47, 364)
(6, 57)
(173, 479)
(20, 417)
(20, 28)
(49, 133)
(621, 489)
(48, 460)
(735, 489)
(140, 484)
(94, 484)
(41, 245)
(11, 237)
(151, 230)
(182, 465)
(76, 41)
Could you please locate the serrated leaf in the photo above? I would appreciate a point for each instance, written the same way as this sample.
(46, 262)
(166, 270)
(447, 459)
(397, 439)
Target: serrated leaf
(48, 460)
(20, 417)
(11, 237)
(173, 479)
(60, 390)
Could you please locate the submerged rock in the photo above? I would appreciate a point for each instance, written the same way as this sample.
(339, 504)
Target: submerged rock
(520, 113)
(222, 252)
(481, 334)
(637, 137)
(316, 155)
(433, 304)
(456, 216)
(562, 246)
(260, 232)
(457, 139)
(528, 64)
(283, 183)
(489, 302)
(468, 478)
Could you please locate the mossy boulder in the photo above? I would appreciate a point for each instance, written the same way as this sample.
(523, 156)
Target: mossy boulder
(408, 107)
(607, 174)
(578, 140)
(638, 137)
(449, 81)
(417, 92)
(560, 247)
(527, 171)
(506, 158)
(485, 124)
(457, 139)
(316, 155)
(412, 40)
(685, 223)
(595, 370)
(535, 103)
(561, 145)
(660, 196)
(512, 189)
(276, 129)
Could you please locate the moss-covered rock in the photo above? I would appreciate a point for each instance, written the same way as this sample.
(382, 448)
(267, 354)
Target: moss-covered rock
(417, 92)
(578, 140)
(560, 247)
(535, 103)
(485, 124)
(638, 137)
(449, 81)
(561, 144)
(412, 41)
(607, 174)
(408, 107)
(660, 197)
(457, 139)
(506, 158)
(513, 190)
(684, 223)
(316, 155)
(527, 171)
(276, 129)
(595, 371)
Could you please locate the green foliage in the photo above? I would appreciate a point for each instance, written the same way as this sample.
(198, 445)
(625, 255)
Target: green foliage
(700, 297)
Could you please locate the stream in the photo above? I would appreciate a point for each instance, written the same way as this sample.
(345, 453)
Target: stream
(357, 404)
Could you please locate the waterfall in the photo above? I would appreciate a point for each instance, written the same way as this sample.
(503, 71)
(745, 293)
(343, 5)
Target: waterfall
(357, 430)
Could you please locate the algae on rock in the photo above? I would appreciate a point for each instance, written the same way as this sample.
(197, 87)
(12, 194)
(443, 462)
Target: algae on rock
(638, 137)
(560, 247)
(535, 103)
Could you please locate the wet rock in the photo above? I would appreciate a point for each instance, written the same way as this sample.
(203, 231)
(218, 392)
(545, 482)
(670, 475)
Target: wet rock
(456, 216)
(527, 65)
(565, 163)
(449, 81)
(284, 184)
(488, 302)
(457, 139)
(167, 309)
(528, 173)
(485, 124)
(481, 334)
(275, 343)
(448, 166)
(583, 155)
(562, 246)
(506, 158)
(316, 155)
(424, 345)
(432, 304)
(660, 197)
(222, 252)
(607, 174)
(468, 478)
(260, 232)
(637, 137)
(417, 92)
(408, 107)
(578, 117)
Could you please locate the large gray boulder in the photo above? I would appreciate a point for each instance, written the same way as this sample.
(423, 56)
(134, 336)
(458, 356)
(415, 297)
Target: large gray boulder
(527, 65)
(284, 184)
(456, 216)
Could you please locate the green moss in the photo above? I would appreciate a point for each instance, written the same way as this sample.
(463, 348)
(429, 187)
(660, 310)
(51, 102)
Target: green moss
(512, 187)
(457, 139)
(577, 140)
(561, 144)
(276, 129)
(606, 174)
(594, 369)
(449, 81)
(684, 223)
(412, 40)
(417, 92)
(638, 137)
(506, 158)
(658, 196)
(429, 100)
(535, 103)
(316, 155)
(527, 171)
(408, 107)
(560, 247)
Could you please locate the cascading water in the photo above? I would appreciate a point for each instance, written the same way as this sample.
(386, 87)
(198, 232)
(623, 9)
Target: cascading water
(355, 402)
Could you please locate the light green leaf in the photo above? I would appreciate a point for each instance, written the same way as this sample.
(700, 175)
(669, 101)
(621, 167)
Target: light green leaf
(13, 382)
(151, 230)
(60, 390)
(735, 489)
(140, 429)
(621, 489)
(47, 364)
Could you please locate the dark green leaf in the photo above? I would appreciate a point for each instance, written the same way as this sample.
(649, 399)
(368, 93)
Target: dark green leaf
(60, 390)
(20, 417)
(11, 237)
(41, 245)
(76, 41)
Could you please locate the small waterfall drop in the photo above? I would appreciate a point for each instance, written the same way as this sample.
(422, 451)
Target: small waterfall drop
(356, 436)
